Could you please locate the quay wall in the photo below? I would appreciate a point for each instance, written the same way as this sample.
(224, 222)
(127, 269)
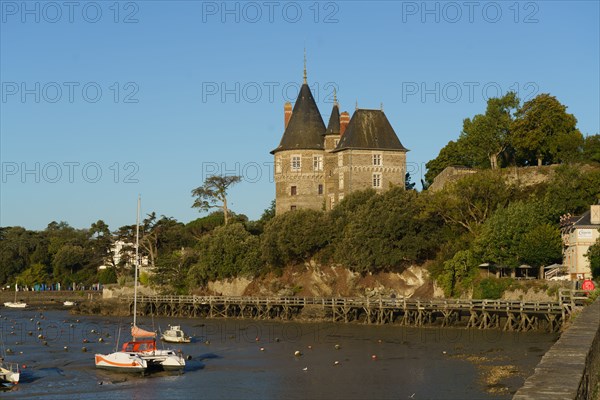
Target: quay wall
(49, 297)
(571, 368)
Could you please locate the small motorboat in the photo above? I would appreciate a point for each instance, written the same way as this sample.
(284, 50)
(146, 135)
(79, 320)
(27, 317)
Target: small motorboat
(175, 335)
(9, 373)
(68, 303)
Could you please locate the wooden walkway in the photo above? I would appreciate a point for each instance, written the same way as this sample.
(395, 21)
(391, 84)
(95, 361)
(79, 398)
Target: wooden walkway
(483, 314)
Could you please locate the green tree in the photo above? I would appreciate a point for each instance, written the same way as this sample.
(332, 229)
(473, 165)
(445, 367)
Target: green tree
(511, 230)
(453, 154)
(408, 184)
(68, 260)
(173, 268)
(16, 247)
(229, 251)
(591, 148)
(541, 246)
(100, 243)
(593, 255)
(572, 189)
(543, 130)
(388, 232)
(295, 237)
(469, 201)
(458, 272)
(213, 193)
(489, 134)
(35, 274)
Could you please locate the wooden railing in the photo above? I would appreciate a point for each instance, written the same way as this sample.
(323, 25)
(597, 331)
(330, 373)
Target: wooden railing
(367, 302)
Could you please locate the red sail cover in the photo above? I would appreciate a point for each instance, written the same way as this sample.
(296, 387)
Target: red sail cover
(140, 333)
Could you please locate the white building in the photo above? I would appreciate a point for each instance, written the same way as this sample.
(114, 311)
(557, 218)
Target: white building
(578, 234)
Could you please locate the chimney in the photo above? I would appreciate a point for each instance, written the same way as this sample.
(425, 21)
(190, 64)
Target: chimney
(287, 113)
(595, 214)
(344, 120)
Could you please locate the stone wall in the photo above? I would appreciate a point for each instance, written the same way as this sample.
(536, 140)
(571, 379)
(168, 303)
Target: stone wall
(305, 181)
(571, 368)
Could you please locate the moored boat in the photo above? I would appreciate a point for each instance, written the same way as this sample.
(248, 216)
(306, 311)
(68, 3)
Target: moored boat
(9, 373)
(15, 304)
(141, 353)
(175, 335)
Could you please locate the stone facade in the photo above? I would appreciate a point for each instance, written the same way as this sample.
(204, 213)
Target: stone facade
(316, 166)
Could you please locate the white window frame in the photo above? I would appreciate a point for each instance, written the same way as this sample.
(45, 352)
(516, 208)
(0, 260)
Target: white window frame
(377, 159)
(317, 162)
(340, 160)
(376, 180)
(278, 165)
(341, 182)
(293, 159)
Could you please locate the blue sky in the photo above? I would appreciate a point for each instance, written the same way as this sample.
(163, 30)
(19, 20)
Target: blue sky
(101, 101)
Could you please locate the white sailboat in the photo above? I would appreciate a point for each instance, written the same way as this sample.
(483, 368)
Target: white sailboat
(15, 304)
(141, 353)
(9, 372)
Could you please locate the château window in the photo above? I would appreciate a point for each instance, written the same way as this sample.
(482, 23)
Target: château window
(335, 142)
(376, 180)
(340, 160)
(341, 197)
(296, 163)
(293, 191)
(318, 163)
(292, 208)
(341, 181)
(320, 189)
(331, 201)
(278, 165)
(377, 159)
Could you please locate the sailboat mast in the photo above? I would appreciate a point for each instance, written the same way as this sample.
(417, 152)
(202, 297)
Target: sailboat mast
(137, 259)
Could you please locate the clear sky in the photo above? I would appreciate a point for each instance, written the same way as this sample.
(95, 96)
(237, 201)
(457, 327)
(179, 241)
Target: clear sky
(101, 101)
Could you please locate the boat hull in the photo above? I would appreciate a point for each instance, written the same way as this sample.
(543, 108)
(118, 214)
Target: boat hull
(8, 376)
(119, 361)
(11, 304)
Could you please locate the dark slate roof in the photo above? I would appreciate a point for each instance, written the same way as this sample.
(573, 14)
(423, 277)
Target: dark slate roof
(584, 221)
(333, 127)
(369, 130)
(305, 127)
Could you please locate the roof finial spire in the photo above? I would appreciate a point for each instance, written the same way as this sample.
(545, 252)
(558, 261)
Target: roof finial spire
(382, 106)
(305, 65)
(356, 107)
(335, 97)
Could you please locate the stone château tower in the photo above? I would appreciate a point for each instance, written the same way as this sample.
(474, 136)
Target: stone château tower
(315, 166)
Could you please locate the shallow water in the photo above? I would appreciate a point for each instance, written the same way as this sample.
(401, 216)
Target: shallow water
(233, 359)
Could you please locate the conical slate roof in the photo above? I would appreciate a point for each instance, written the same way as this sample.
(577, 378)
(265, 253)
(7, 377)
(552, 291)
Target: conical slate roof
(369, 130)
(333, 127)
(306, 126)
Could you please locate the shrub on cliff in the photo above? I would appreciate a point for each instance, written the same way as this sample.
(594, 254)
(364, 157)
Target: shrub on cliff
(229, 251)
(295, 237)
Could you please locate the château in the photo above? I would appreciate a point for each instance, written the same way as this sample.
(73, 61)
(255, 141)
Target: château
(317, 165)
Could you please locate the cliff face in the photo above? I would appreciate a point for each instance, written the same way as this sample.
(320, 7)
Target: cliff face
(311, 280)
